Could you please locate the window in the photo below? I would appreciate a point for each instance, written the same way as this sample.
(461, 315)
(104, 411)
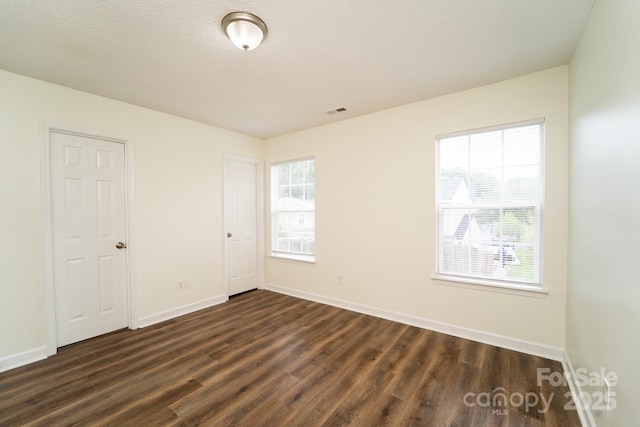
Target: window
(489, 198)
(293, 210)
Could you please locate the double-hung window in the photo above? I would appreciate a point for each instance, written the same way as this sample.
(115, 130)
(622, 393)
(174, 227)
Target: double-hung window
(293, 210)
(489, 200)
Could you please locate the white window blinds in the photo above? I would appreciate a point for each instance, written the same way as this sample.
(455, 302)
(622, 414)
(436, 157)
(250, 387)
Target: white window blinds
(489, 198)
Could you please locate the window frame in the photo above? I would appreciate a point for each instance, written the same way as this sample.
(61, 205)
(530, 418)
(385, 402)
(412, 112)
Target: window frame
(533, 288)
(274, 185)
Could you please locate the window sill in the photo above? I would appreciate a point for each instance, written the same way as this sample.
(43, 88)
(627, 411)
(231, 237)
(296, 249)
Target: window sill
(307, 259)
(512, 288)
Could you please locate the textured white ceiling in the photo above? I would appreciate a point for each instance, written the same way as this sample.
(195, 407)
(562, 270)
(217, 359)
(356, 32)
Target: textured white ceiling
(366, 55)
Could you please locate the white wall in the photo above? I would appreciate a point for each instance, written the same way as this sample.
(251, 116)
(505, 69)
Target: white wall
(375, 209)
(178, 194)
(603, 309)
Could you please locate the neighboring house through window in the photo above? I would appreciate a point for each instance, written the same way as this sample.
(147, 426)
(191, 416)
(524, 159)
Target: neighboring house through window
(490, 192)
(293, 209)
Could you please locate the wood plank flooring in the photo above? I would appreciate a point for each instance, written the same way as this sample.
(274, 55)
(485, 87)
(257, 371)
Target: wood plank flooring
(265, 359)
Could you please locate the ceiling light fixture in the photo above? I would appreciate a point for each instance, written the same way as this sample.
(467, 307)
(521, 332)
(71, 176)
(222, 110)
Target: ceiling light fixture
(244, 29)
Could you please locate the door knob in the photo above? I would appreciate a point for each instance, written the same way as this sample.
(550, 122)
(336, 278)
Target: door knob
(121, 245)
(229, 234)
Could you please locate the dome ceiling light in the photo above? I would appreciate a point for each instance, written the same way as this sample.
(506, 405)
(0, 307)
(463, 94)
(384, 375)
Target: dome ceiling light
(244, 29)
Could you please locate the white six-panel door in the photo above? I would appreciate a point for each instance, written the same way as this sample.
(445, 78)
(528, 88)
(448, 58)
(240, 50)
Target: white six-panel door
(88, 223)
(241, 216)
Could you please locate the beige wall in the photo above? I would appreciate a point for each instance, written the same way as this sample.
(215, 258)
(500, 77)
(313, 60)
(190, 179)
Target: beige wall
(375, 209)
(603, 309)
(375, 197)
(178, 194)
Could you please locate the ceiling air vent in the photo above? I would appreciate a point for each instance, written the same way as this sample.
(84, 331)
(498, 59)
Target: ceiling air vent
(336, 110)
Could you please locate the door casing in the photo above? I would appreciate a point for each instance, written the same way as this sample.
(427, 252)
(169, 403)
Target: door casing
(47, 225)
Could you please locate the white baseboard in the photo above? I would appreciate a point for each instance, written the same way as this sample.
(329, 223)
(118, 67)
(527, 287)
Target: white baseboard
(181, 311)
(36, 354)
(549, 352)
(23, 358)
(586, 417)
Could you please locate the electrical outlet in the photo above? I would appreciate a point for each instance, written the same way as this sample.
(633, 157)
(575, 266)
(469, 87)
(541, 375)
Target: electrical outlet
(340, 281)
(181, 284)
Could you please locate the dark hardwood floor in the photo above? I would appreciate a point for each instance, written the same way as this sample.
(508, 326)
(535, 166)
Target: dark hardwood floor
(265, 359)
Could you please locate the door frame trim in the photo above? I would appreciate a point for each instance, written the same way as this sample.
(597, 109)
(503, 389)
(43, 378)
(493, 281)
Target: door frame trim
(259, 217)
(46, 128)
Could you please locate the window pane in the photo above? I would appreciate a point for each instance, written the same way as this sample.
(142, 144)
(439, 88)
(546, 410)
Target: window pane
(522, 183)
(297, 192)
(284, 192)
(522, 266)
(465, 242)
(310, 192)
(488, 220)
(522, 146)
(520, 224)
(488, 243)
(454, 155)
(297, 173)
(293, 208)
(295, 233)
(485, 150)
(283, 174)
(453, 189)
(485, 186)
(309, 176)
(489, 187)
